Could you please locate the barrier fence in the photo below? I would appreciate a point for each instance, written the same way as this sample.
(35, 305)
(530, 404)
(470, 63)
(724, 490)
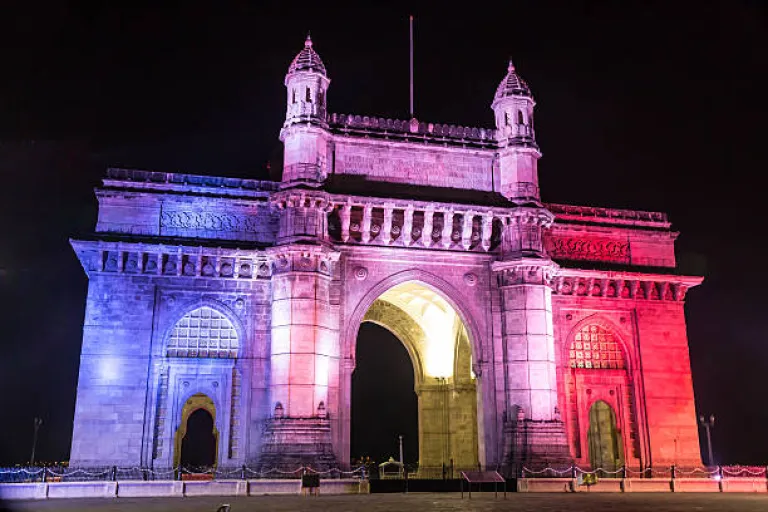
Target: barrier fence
(115, 473)
(369, 471)
(666, 473)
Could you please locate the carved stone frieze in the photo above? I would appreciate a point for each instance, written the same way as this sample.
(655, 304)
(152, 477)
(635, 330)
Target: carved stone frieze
(211, 221)
(591, 249)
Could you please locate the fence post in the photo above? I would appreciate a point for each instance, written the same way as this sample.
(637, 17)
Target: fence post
(242, 472)
(766, 477)
(720, 477)
(114, 473)
(673, 471)
(45, 471)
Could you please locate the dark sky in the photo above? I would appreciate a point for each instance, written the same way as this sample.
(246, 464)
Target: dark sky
(647, 105)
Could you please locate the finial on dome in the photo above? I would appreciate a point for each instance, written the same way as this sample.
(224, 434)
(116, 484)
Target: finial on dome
(511, 66)
(308, 41)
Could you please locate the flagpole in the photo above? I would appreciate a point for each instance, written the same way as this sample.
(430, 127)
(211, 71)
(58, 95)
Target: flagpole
(411, 26)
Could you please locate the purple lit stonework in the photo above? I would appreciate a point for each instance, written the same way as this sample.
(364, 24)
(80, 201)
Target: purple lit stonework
(538, 332)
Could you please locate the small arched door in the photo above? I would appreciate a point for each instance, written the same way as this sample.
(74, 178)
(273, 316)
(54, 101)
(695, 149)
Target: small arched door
(605, 450)
(197, 437)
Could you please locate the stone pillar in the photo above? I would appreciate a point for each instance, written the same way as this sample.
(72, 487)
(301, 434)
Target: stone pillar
(345, 213)
(447, 228)
(487, 229)
(426, 232)
(386, 229)
(365, 228)
(533, 431)
(406, 234)
(304, 359)
(466, 231)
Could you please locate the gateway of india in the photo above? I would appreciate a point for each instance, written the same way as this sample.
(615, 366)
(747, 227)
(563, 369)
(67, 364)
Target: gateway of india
(538, 332)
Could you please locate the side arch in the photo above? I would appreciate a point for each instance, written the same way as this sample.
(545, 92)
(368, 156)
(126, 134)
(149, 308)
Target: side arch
(440, 286)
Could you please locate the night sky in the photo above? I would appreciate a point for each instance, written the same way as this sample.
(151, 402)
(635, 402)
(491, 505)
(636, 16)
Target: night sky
(652, 105)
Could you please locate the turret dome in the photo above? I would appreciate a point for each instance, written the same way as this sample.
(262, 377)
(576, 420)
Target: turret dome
(512, 85)
(307, 60)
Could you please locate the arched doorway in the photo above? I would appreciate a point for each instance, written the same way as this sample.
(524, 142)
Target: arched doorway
(197, 438)
(605, 450)
(438, 344)
(384, 401)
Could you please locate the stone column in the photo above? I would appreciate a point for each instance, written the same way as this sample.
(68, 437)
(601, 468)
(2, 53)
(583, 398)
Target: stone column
(406, 233)
(487, 229)
(447, 228)
(345, 213)
(426, 232)
(365, 228)
(304, 358)
(533, 430)
(466, 231)
(386, 229)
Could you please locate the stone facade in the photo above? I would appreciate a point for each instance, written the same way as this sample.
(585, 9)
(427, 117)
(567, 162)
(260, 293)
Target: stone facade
(245, 297)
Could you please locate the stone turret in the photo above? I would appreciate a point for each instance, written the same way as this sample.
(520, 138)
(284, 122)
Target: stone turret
(304, 133)
(513, 110)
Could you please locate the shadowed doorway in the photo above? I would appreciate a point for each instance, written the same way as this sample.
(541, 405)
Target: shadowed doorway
(198, 446)
(384, 403)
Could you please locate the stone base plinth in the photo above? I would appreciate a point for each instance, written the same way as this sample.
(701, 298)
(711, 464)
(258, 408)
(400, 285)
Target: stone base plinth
(534, 444)
(290, 443)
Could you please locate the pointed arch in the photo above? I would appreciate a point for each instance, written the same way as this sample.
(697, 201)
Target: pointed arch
(440, 286)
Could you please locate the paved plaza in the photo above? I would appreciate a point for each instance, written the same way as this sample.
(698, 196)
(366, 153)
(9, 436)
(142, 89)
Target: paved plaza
(422, 502)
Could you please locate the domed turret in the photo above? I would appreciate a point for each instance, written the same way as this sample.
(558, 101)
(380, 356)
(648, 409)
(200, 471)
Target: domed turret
(305, 131)
(513, 109)
(307, 84)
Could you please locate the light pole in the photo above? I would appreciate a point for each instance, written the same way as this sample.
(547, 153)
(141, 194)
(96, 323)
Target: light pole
(401, 449)
(708, 423)
(37, 423)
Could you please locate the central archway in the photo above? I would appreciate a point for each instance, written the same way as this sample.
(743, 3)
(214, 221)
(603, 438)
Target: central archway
(439, 348)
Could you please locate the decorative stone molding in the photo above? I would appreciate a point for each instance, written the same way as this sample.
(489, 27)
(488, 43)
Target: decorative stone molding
(180, 261)
(525, 271)
(588, 248)
(211, 221)
(470, 279)
(302, 258)
(361, 273)
(623, 286)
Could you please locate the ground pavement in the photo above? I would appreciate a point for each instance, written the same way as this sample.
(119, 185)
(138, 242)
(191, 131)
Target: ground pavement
(420, 502)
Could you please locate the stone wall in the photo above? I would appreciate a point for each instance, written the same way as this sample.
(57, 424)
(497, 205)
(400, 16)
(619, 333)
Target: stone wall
(389, 162)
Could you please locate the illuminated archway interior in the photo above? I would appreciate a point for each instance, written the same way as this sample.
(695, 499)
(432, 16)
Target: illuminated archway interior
(439, 348)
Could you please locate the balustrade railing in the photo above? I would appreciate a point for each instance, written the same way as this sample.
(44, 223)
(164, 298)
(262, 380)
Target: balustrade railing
(416, 224)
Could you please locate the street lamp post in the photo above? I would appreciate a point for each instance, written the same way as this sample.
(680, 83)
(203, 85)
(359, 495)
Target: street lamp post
(37, 423)
(401, 449)
(708, 423)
